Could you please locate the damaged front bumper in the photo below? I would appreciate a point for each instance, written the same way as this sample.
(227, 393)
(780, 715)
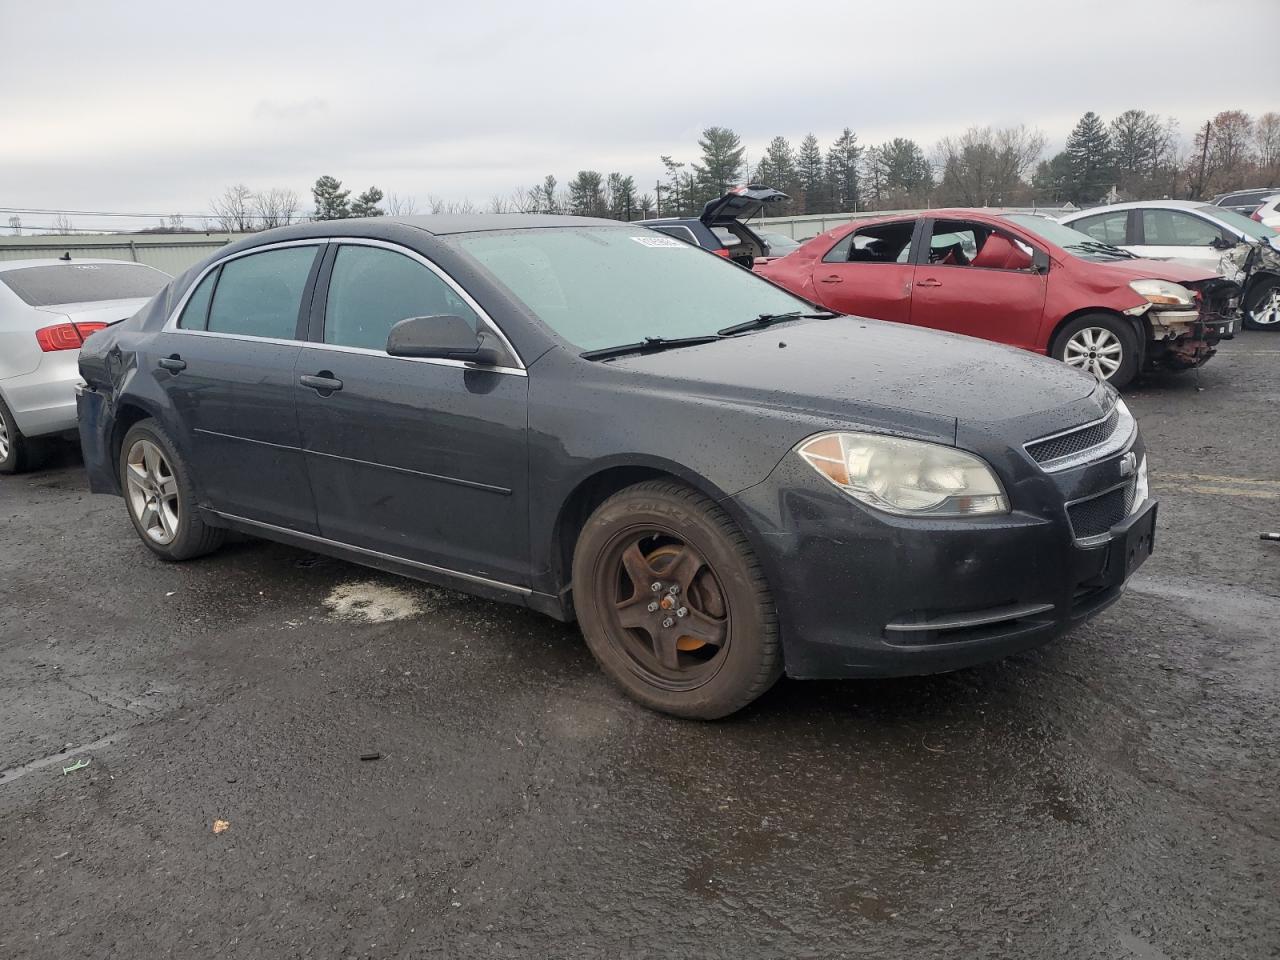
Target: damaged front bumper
(1183, 338)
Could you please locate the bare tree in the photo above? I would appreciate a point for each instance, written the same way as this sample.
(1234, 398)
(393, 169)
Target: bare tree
(1266, 140)
(524, 200)
(398, 206)
(234, 209)
(438, 205)
(62, 224)
(499, 204)
(275, 207)
(986, 167)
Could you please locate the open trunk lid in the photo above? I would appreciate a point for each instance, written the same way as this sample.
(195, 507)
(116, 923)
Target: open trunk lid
(740, 203)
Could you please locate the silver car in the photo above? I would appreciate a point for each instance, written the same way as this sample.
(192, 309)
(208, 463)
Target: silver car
(47, 309)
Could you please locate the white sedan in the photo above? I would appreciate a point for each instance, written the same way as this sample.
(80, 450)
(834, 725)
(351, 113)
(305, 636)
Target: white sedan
(1199, 235)
(47, 309)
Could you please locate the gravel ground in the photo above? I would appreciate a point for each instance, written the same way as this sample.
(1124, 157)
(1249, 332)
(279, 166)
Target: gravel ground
(1114, 795)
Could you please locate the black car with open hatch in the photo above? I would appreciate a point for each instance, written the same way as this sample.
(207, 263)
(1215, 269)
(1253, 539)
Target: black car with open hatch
(719, 481)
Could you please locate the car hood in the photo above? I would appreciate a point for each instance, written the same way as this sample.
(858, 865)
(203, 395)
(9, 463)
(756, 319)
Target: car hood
(1124, 271)
(860, 371)
(740, 203)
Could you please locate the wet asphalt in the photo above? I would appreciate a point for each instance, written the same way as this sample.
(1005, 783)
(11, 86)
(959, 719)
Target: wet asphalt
(1114, 795)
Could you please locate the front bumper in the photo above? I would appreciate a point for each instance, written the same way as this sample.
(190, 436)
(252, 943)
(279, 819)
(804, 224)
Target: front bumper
(865, 594)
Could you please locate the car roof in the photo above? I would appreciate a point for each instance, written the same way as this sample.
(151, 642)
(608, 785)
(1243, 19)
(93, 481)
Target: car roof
(1141, 205)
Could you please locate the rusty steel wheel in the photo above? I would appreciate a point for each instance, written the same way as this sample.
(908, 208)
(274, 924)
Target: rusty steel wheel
(673, 602)
(668, 618)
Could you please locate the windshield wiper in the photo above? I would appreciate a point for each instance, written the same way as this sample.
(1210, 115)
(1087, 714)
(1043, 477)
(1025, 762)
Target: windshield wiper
(647, 345)
(767, 319)
(1105, 248)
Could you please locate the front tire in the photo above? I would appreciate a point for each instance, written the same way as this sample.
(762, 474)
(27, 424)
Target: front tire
(1100, 344)
(1262, 311)
(160, 497)
(674, 604)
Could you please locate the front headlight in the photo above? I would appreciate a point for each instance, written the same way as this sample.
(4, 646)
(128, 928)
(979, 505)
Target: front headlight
(1141, 488)
(906, 477)
(1163, 293)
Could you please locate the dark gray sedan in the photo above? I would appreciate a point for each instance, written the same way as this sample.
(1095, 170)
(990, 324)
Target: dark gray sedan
(719, 481)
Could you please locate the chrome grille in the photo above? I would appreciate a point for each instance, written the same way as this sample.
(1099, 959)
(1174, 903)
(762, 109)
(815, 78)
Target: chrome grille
(1096, 516)
(1055, 448)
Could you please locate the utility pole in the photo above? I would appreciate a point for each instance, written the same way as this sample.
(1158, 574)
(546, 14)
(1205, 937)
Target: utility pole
(657, 199)
(1204, 156)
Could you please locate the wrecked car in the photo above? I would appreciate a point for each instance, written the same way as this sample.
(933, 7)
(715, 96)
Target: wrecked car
(1197, 234)
(1019, 279)
(722, 228)
(719, 482)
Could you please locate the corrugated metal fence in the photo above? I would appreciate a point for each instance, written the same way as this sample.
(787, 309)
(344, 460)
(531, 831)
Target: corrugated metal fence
(170, 252)
(806, 226)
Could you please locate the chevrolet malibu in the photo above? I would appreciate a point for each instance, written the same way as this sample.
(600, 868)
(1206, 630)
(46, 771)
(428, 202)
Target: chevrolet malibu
(719, 481)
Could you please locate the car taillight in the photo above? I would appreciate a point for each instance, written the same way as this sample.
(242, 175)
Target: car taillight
(1257, 214)
(722, 252)
(65, 336)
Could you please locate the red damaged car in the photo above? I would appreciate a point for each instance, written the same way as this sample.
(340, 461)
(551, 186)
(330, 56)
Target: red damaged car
(1018, 279)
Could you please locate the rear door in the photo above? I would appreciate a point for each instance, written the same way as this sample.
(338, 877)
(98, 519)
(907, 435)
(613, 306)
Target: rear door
(423, 460)
(1181, 236)
(225, 362)
(868, 272)
(979, 281)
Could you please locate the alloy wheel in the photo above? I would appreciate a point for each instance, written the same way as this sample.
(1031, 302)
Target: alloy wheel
(4, 440)
(1267, 311)
(1095, 349)
(153, 491)
(665, 609)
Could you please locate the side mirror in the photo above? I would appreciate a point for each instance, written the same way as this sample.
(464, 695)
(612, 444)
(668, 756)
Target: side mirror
(1221, 243)
(1039, 260)
(441, 337)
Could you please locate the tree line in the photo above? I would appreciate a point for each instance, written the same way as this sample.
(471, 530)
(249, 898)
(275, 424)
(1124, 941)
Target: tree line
(1135, 155)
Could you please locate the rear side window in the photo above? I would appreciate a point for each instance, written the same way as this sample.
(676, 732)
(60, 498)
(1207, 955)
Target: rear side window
(195, 315)
(1107, 227)
(372, 289)
(885, 243)
(83, 282)
(679, 232)
(259, 295)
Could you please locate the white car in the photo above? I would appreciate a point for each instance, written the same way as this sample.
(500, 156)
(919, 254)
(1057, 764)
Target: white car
(1199, 235)
(47, 309)
(1268, 214)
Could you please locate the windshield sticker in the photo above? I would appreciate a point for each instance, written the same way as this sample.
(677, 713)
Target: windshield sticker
(659, 242)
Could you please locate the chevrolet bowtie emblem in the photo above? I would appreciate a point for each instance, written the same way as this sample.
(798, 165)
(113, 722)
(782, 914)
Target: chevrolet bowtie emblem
(1128, 464)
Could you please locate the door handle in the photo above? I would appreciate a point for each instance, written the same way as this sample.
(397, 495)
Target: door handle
(174, 364)
(928, 282)
(324, 382)
(831, 279)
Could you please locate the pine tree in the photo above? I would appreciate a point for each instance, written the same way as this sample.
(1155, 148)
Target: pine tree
(545, 200)
(722, 161)
(366, 205)
(586, 194)
(621, 193)
(843, 162)
(1089, 155)
(810, 174)
(331, 199)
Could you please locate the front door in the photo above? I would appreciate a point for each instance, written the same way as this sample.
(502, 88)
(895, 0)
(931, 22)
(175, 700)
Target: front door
(1180, 236)
(867, 273)
(980, 282)
(226, 367)
(423, 460)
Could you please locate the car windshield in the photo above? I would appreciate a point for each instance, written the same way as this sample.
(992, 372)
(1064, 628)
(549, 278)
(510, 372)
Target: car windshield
(602, 287)
(1073, 241)
(1250, 228)
(73, 282)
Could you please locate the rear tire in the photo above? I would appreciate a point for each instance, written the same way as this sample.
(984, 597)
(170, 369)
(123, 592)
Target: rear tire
(18, 454)
(1100, 344)
(160, 497)
(1262, 309)
(704, 643)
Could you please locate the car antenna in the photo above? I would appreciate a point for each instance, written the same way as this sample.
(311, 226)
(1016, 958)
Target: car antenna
(65, 256)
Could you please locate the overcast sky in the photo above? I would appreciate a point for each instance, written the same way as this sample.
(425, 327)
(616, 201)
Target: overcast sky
(156, 107)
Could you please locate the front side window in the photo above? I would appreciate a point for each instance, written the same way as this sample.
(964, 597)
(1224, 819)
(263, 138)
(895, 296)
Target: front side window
(1173, 228)
(605, 286)
(372, 289)
(260, 295)
(1107, 227)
